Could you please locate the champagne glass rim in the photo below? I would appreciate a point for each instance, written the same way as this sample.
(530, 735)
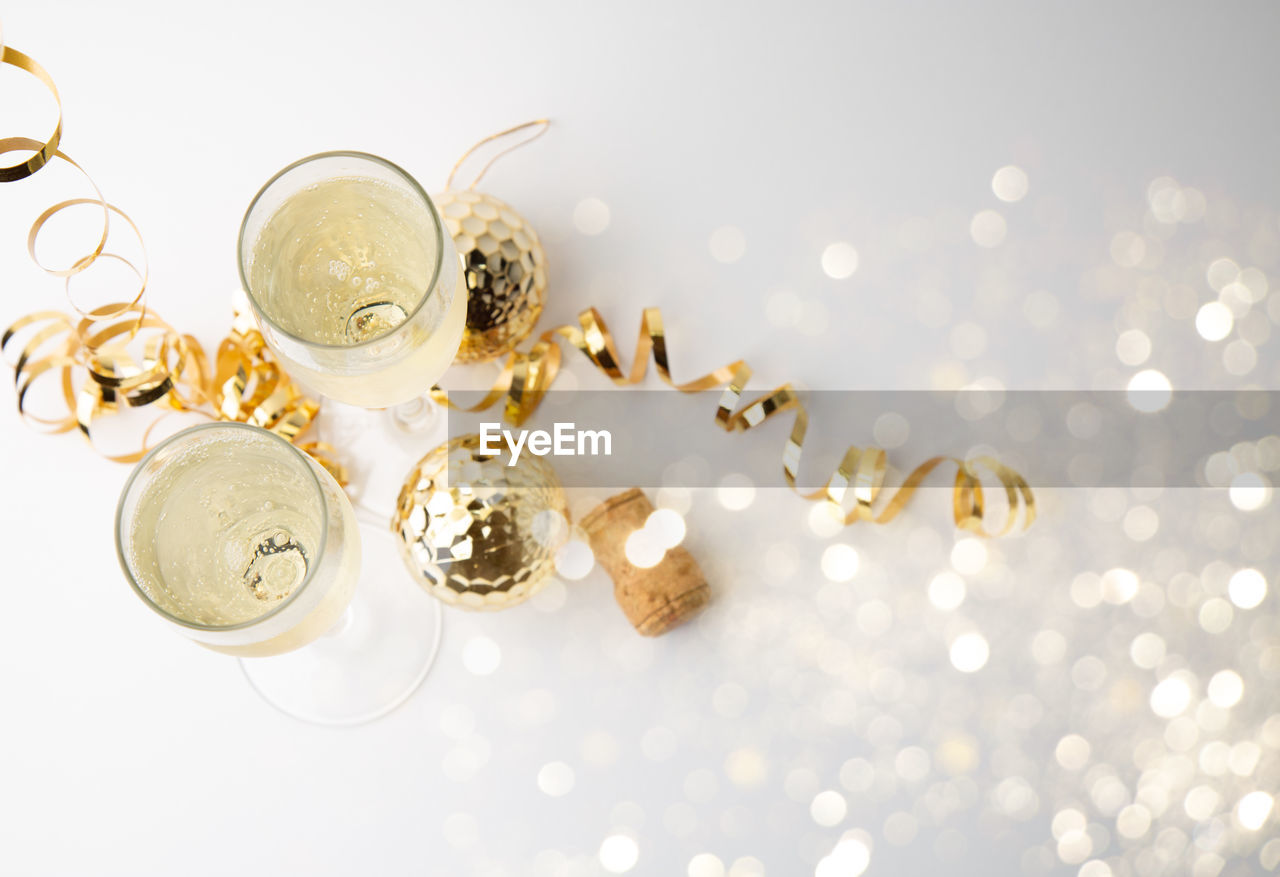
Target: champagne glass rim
(436, 220)
(234, 426)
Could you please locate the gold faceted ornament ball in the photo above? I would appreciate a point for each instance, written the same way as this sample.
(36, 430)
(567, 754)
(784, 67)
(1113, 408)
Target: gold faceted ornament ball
(505, 269)
(476, 532)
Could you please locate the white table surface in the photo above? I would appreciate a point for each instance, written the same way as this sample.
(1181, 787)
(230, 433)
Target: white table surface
(125, 749)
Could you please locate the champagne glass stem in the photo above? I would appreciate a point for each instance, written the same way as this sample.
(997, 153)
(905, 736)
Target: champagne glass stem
(417, 416)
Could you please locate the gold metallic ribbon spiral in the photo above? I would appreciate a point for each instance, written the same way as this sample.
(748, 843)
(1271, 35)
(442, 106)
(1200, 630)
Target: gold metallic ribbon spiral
(43, 151)
(527, 375)
(90, 357)
(244, 383)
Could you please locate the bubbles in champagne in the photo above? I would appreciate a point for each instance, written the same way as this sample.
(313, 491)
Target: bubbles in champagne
(344, 260)
(226, 531)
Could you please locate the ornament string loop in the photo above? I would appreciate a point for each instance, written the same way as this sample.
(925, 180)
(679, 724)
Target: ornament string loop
(538, 128)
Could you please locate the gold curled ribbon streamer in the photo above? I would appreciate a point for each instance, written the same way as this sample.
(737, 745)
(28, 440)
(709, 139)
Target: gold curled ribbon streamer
(98, 374)
(43, 151)
(91, 360)
(857, 483)
(82, 263)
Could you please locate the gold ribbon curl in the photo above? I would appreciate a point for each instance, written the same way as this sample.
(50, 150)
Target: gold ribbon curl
(98, 374)
(527, 375)
(90, 357)
(43, 150)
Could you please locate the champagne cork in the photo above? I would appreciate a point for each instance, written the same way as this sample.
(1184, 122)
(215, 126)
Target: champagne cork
(655, 599)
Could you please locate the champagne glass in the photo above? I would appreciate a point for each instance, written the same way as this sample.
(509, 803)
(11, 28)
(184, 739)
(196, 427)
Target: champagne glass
(249, 547)
(359, 291)
(354, 280)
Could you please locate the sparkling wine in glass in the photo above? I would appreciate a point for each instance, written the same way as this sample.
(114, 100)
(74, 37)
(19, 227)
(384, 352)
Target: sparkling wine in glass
(249, 547)
(354, 279)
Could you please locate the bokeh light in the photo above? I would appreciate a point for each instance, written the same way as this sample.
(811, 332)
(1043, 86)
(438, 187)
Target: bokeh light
(839, 260)
(1009, 183)
(618, 854)
(969, 652)
(591, 216)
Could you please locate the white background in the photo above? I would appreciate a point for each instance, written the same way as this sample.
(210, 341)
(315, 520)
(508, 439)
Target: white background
(125, 749)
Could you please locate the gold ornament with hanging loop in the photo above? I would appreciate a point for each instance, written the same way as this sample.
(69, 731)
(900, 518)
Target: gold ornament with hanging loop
(504, 265)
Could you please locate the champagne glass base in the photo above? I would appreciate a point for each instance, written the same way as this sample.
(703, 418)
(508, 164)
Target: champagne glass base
(372, 660)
